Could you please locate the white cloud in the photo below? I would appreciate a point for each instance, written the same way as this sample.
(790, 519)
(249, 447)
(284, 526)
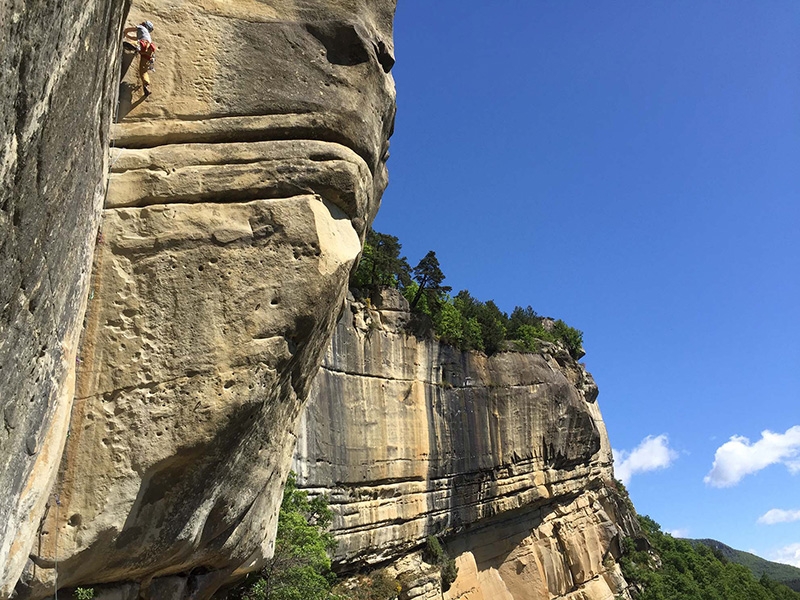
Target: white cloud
(679, 532)
(789, 555)
(653, 453)
(738, 457)
(777, 515)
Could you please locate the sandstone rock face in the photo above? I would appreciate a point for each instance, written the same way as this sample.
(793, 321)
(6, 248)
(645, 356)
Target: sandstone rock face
(238, 198)
(505, 456)
(57, 86)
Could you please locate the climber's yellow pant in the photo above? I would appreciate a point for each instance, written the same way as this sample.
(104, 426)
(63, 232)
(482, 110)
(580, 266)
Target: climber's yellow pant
(144, 70)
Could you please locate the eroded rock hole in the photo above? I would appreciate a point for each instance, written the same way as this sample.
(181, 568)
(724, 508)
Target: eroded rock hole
(343, 44)
(385, 57)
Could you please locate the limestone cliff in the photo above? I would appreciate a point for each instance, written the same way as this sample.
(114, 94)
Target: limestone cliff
(505, 456)
(57, 82)
(238, 197)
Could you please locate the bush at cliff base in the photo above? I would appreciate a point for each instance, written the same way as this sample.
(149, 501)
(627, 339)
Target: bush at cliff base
(378, 585)
(301, 566)
(674, 569)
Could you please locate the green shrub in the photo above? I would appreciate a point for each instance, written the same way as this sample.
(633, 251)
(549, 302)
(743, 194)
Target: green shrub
(449, 574)
(532, 336)
(381, 264)
(84, 593)
(449, 325)
(436, 555)
(300, 569)
(571, 338)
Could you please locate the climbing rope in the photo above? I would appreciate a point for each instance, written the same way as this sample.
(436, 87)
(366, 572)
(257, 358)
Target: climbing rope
(116, 116)
(55, 552)
(113, 141)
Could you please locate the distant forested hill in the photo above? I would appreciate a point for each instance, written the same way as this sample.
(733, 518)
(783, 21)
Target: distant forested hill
(661, 567)
(785, 574)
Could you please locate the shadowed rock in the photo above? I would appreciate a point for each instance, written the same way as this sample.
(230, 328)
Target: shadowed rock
(57, 84)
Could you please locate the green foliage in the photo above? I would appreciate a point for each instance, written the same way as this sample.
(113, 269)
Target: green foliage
(381, 264)
(571, 338)
(436, 555)
(472, 335)
(560, 333)
(463, 321)
(490, 319)
(449, 574)
(429, 277)
(623, 492)
(675, 568)
(531, 336)
(775, 572)
(449, 325)
(457, 327)
(522, 316)
(301, 566)
(84, 593)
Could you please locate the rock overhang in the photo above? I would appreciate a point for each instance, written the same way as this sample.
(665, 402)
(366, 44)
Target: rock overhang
(252, 72)
(239, 194)
(235, 172)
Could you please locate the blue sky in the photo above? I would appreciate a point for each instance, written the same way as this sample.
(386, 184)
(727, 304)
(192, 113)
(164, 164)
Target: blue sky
(631, 168)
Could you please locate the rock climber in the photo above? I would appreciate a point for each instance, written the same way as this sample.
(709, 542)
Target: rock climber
(146, 49)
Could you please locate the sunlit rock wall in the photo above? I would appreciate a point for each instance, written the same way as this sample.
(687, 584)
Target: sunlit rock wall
(57, 90)
(238, 198)
(507, 457)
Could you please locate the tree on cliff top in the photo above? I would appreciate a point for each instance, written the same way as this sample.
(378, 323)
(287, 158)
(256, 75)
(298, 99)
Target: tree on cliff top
(381, 264)
(462, 321)
(429, 277)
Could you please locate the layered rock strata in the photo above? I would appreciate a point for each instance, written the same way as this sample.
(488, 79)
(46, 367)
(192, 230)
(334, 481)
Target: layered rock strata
(57, 85)
(505, 456)
(238, 198)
